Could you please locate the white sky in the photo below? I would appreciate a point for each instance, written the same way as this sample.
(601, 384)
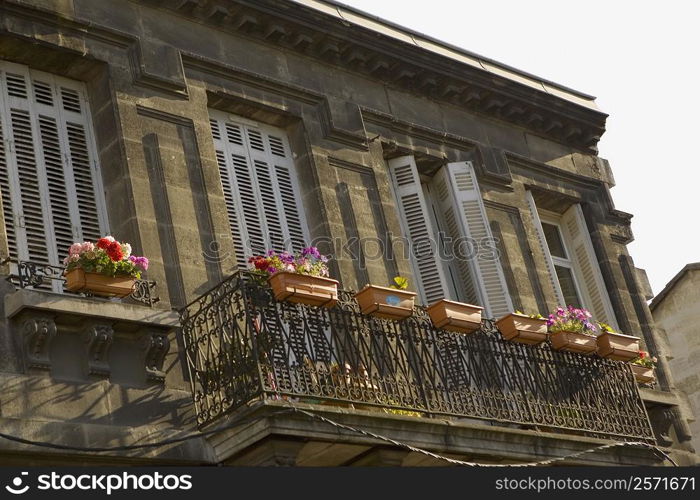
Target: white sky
(640, 59)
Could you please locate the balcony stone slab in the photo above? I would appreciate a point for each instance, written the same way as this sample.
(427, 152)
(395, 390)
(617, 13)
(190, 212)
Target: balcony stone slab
(83, 338)
(271, 434)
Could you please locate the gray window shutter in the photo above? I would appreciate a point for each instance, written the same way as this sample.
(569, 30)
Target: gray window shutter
(542, 243)
(586, 266)
(460, 270)
(469, 208)
(52, 192)
(417, 229)
(260, 186)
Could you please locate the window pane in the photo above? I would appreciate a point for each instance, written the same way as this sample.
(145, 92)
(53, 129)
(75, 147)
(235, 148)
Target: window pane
(553, 237)
(568, 287)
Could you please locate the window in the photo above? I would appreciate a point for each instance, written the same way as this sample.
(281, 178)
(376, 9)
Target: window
(571, 260)
(563, 265)
(49, 176)
(260, 186)
(453, 251)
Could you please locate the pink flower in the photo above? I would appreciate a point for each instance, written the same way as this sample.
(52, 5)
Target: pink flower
(141, 262)
(75, 249)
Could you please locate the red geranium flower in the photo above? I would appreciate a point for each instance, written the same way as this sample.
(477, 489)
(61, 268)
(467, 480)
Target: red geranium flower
(114, 250)
(260, 263)
(103, 243)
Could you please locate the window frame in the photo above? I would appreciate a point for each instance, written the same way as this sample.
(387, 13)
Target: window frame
(63, 117)
(287, 162)
(554, 220)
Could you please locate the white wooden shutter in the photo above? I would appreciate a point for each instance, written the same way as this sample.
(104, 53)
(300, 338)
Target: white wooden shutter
(542, 241)
(260, 187)
(586, 266)
(52, 192)
(417, 229)
(471, 213)
(459, 270)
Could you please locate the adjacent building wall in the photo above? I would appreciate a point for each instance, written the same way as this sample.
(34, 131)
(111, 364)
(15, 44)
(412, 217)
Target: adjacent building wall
(677, 310)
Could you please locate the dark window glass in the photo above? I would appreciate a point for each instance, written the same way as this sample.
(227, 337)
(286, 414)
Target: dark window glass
(553, 237)
(568, 287)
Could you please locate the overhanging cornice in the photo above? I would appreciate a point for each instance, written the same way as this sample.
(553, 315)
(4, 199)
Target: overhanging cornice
(485, 88)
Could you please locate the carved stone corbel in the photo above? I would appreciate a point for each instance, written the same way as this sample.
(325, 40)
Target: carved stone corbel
(156, 345)
(98, 338)
(38, 332)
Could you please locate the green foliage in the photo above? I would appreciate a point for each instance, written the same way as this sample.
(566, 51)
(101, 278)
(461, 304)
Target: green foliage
(400, 283)
(533, 316)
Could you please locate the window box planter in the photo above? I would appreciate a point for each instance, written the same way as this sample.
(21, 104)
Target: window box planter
(455, 316)
(304, 289)
(386, 303)
(618, 346)
(523, 329)
(573, 342)
(78, 280)
(643, 374)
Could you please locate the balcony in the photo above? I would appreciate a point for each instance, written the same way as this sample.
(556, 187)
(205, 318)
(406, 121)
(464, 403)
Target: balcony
(79, 338)
(243, 346)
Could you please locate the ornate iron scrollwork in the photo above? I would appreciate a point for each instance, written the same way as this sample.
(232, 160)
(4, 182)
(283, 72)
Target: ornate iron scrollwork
(242, 344)
(33, 275)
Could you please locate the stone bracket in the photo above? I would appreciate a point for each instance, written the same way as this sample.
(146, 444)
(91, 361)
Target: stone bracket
(156, 346)
(98, 338)
(38, 331)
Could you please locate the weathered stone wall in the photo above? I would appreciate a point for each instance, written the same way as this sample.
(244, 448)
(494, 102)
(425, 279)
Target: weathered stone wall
(153, 71)
(678, 314)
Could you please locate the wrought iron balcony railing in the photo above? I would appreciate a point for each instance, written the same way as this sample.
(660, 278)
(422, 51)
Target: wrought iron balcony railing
(44, 276)
(243, 345)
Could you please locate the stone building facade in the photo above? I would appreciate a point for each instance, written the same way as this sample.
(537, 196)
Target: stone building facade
(192, 126)
(676, 312)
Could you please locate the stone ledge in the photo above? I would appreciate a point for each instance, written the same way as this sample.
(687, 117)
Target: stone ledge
(465, 440)
(104, 309)
(659, 397)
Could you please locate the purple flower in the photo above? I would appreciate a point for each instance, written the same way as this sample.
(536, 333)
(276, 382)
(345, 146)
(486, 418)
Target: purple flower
(272, 269)
(311, 252)
(141, 262)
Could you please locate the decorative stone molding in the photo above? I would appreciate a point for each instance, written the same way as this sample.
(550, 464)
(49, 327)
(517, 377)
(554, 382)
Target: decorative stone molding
(38, 332)
(98, 338)
(410, 66)
(156, 346)
(312, 33)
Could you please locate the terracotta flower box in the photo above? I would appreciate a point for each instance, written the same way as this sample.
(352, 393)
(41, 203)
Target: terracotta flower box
(522, 328)
(386, 303)
(455, 316)
(304, 289)
(618, 346)
(573, 342)
(643, 374)
(78, 280)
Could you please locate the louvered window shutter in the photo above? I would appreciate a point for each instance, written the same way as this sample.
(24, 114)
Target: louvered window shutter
(469, 208)
(260, 187)
(551, 272)
(586, 266)
(52, 192)
(418, 229)
(459, 270)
